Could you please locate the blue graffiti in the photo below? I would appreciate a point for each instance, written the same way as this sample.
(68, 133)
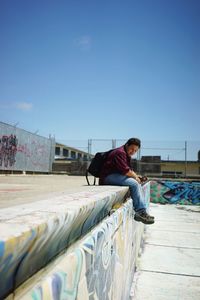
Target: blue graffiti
(179, 191)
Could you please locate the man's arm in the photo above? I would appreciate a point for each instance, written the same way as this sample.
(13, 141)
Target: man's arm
(121, 164)
(132, 174)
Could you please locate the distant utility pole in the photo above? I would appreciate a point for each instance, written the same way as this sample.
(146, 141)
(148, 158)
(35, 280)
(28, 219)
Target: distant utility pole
(139, 161)
(113, 144)
(185, 159)
(89, 148)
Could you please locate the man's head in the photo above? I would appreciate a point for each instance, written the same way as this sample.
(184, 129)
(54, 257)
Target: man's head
(132, 146)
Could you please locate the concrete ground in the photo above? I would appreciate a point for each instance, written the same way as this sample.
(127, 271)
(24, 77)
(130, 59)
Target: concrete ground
(20, 189)
(169, 266)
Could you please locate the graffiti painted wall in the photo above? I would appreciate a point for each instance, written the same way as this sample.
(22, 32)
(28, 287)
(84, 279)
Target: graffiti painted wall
(97, 266)
(173, 192)
(101, 266)
(32, 234)
(23, 151)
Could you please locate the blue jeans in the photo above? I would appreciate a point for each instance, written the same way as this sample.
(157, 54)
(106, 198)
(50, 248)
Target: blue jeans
(134, 186)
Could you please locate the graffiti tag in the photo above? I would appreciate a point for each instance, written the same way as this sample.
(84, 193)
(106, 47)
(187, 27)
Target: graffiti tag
(182, 191)
(8, 150)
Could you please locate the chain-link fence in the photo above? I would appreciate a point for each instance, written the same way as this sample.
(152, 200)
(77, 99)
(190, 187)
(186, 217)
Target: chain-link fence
(155, 158)
(23, 151)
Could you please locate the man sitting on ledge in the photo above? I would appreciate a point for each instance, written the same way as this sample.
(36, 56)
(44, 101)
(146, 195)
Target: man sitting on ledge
(117, 171)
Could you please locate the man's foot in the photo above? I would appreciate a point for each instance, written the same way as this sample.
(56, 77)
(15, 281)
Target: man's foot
(152, 217)
(144, 217)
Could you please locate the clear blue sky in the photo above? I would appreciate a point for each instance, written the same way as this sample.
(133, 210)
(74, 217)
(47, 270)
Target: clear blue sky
(80, 69)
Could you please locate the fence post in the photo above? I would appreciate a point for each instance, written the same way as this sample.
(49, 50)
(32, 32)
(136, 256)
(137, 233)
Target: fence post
(139, 161)
(113, 144)
(185, 159)
(89, 148)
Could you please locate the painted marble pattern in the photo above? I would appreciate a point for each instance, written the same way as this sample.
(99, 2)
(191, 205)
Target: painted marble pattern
(32, 235)
(101, 266)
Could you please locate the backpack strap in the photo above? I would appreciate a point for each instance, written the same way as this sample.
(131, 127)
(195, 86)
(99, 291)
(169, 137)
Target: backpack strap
(86, 176)
(88, 182)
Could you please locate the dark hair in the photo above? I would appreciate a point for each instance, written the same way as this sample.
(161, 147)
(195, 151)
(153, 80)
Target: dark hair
(133, 141)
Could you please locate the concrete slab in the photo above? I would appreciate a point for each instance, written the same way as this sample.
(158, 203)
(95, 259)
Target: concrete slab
(176, 260)
(158, 286)
(178, 227)
(174, 238)
(169, 267)
(20, 189)
(176, 213)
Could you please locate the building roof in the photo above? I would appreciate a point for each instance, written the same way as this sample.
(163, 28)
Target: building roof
(71, 148)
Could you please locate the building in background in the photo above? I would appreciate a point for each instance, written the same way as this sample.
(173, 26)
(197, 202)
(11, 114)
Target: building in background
(70, 160)
(154, 166)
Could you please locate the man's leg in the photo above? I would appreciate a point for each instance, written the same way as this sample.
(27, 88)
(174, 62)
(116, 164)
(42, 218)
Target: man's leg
(136, 195)
(134, 186)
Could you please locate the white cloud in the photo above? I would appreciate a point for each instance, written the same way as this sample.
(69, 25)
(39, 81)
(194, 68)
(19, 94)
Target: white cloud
(25, 106)
(83, 42)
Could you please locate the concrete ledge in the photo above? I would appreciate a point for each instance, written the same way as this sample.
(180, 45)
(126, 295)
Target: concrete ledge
(99, 266)
(33, 234)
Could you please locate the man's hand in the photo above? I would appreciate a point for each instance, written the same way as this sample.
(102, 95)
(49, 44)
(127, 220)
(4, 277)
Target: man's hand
(138, 179)
(132, 174)
(143, 179)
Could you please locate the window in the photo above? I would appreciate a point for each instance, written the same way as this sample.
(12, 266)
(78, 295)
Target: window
(65, 152)
(57, 152)
(73, 154)
(172, 172)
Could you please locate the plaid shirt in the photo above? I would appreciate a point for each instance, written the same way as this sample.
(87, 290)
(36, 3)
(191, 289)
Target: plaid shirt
(118, 161)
